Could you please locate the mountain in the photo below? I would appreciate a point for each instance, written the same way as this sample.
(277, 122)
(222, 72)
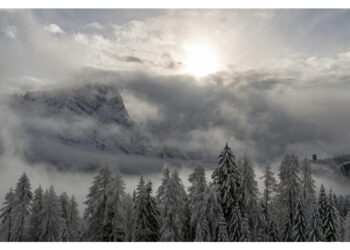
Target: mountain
(81, 127)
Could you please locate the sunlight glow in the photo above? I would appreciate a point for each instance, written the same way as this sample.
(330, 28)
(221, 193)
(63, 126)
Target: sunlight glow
(200, 60)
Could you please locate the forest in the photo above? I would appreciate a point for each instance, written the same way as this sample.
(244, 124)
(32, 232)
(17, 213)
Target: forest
(227, 208)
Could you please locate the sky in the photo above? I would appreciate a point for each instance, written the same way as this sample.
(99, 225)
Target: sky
(266, 81)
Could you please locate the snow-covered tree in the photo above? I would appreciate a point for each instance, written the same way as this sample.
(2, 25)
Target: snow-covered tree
(173, 215)
(73, 220)
(162, 187)
(64, 203)
(347, 228)
(289, 188)
(270, 187)
(35, 218)
(286, 229)
(323, 208)
(235, 225)
(51, 214)
(222, 232)
(227, 180)
(250, 192)
(104, 213)
(308, 187)
(147, 214)
(272, 232)
(196, 197)
(22, 209)
(332, 222)
(246, 235)
(6, 217)
(299, 223)
(129, 216)
(315, 226)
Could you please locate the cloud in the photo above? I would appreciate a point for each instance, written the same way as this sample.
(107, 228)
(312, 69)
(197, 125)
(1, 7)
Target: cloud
(54, 29)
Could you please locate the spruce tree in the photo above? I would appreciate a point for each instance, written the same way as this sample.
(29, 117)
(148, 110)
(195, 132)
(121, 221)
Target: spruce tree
(270, 187)
(332, 222)
(51, 214)
(323, 208)
(227, 180)
(104, 214)
(235, 226)
(315, 227)
(6, 217)
(308, 187)
(288, 190)
(299, 224)
(250, 193)
(173, 216)
(74, 220)
(222, 232)
(22, 209)
(35, 218)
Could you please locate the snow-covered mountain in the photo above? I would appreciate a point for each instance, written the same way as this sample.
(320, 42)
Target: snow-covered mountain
(83, 126)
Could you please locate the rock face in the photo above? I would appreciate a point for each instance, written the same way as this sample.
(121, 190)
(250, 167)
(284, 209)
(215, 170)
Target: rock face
(79, 128)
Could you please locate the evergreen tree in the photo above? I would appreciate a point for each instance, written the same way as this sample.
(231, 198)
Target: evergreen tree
(289, 188)
(272, 232)
(307, 186)
(246, 235)
(51, 214)
(227, 180)
(235, 226)
(74, 221)
(147, 214)
(162, 188)
(21, 210)
(347, 228)
(129, 216)
(64, 203)
(315, 227)
(6, 217)
(323, 208)
(299, 224)
(104, 213)
(250, 193)
(270, 187)
(222, 232)
(332, 222)
(173, 216)
(35, 219)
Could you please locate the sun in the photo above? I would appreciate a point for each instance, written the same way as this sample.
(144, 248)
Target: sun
(200, 60)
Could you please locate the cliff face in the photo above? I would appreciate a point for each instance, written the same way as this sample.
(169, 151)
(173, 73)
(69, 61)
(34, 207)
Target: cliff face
(78, 128)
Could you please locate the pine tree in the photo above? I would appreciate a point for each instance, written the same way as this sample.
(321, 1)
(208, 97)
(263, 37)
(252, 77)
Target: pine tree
(173, 216)
(52, 222)
(35, 219)
(222, 232)
(286, 230)
(315, 227)
(6, 217)
(227, 180)
(332, 222)
(21, 210)
(299, 224)
(162, 188)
